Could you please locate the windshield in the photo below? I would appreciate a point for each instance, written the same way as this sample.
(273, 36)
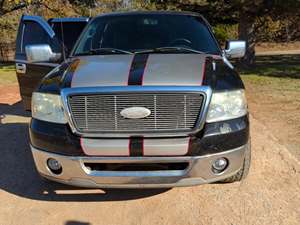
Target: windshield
(134, 33)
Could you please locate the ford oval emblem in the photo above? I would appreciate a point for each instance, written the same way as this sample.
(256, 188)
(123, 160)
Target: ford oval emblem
(135, 112)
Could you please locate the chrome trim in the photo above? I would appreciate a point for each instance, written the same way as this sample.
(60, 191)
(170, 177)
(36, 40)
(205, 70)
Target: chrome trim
(41, 22)
(199, 171)
(41, 53)
(21, 68)
(235, 49)
(205, 90)
(37, 63)
(22, 37)
(226, 61)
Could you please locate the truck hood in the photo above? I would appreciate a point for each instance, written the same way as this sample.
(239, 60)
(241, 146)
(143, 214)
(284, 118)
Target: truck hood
(140, 69)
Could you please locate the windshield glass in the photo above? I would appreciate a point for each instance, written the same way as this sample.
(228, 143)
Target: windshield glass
(146, 31)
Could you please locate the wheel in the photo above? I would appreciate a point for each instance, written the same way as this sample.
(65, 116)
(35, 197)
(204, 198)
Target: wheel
(242, 174)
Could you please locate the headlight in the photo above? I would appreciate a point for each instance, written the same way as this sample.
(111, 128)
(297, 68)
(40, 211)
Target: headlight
(227, 105)
(47, 107)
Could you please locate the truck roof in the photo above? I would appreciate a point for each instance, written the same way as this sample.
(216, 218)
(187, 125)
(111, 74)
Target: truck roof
(69, 19)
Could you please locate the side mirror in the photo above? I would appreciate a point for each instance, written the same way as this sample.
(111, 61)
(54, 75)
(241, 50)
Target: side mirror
(235, 49)
(41, 53)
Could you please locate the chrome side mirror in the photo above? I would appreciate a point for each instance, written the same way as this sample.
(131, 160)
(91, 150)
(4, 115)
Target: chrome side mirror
(41, 53)
(235, 49)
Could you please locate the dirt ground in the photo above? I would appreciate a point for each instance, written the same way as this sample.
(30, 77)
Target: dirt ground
(273, 91)
(270, 194)
(283, 120)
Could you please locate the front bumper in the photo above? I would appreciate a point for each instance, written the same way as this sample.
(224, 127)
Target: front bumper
(198, 171)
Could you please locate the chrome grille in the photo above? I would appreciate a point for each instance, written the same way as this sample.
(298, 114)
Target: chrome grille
(101, 112)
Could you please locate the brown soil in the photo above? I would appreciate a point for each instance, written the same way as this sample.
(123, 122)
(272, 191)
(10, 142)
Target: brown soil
(9, 94)
(278, 110)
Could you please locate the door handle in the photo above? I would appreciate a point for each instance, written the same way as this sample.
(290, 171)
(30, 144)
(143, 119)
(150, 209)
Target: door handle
(21, 68)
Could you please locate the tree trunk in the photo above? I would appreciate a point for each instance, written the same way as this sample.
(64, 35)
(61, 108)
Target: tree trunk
(247, 33)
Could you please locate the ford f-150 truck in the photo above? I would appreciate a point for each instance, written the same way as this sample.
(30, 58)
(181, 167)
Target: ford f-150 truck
(143, 100)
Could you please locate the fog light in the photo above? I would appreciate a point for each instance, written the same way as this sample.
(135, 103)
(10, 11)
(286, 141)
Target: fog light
(54, 166)
(219, 165)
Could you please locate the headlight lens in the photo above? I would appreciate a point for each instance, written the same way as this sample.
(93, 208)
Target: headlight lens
(47, 107)
(227, 105)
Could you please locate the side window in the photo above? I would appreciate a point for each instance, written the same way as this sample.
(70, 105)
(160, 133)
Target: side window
(34, 34)
(19, 41)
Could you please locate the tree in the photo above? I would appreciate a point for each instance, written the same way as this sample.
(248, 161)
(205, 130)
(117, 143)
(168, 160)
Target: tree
(252, 15)
(10, 6)
(249, 14)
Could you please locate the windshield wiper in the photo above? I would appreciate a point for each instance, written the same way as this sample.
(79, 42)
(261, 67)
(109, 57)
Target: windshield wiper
(97, 51)
(170, 49)
(110, 50)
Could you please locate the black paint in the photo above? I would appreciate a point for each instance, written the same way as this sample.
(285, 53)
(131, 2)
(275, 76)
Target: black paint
(137, 69)
(136, 146)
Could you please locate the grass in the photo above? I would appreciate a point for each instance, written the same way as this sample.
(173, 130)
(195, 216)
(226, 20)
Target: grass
(276, 83)
(279, 73)
(7, 74)
(283, 66)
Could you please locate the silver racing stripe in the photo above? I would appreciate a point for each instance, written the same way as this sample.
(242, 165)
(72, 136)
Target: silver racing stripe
(174, 69)
(105, 147)
(102, 70)
(123, 147)
(160, 69)
(166, 147)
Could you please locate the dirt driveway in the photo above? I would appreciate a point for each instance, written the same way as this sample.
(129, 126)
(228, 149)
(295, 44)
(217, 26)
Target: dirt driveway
(270, 195)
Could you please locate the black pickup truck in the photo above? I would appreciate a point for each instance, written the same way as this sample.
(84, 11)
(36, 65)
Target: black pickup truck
(133, 100)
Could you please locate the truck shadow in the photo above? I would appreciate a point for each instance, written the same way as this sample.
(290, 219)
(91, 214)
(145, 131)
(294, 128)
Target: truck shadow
(18, 175)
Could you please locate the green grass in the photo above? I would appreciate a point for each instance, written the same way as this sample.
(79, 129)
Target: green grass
(282, 66)
(278, 73)
(7, 74)
(7, 67)
(275, 83)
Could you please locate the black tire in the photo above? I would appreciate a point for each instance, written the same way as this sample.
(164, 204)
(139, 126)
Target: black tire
(242, 174)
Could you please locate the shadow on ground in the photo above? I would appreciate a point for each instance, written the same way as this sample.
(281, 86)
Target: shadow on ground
(19, 176)
(74, 222)
(275, 66)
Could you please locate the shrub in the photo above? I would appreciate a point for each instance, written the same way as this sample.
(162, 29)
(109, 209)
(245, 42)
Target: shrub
(225, 32)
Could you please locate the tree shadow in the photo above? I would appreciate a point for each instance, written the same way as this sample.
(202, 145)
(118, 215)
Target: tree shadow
(19, 176)
(274, 66)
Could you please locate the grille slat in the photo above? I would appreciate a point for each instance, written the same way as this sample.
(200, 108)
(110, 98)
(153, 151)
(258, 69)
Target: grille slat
(101, 112)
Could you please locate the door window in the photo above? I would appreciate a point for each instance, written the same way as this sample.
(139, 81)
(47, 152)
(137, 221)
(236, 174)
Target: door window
(31, 33)
(34, 34)
(20, 38)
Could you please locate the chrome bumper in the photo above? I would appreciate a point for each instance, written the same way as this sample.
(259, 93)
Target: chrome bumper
(198, 171)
